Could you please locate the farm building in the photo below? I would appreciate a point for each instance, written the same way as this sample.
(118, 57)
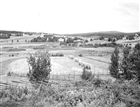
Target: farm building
(61, 40)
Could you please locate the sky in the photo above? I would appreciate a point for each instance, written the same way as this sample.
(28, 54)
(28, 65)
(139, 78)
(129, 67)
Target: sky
(70, 16)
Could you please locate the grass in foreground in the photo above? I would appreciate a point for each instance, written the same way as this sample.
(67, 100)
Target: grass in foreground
(97, 93)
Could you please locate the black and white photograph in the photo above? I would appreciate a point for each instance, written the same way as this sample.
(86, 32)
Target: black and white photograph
(69, 53)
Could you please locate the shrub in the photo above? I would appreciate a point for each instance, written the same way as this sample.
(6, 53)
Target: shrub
(9, 73)
(86, 74)
(57, 54)
(108, 94)
(80, 55)
(39, 66)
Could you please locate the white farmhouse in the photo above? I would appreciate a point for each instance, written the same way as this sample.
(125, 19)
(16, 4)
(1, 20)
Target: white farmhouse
(136, 37)
(41, 35)
(60, 40)
(125, 37)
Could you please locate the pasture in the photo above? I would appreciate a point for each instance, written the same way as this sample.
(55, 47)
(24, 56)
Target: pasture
(13, 59)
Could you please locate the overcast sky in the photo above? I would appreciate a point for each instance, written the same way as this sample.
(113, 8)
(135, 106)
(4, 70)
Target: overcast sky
(69, 16)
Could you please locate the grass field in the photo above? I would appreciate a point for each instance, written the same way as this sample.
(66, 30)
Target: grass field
(63, 68)
(60, 65)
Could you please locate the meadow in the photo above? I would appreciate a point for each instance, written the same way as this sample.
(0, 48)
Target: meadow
(65, 87)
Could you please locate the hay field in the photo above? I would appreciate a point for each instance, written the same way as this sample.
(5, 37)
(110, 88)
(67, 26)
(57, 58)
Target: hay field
(60, 65)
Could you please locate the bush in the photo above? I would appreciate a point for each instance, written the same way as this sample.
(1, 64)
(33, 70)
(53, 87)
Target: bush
(39, 66)
(86, 74)
(57, 54)
(80, 55)
(9, 73)
(108, 94)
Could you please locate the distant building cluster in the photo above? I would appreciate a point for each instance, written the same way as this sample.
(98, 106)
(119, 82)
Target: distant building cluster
(68, 40)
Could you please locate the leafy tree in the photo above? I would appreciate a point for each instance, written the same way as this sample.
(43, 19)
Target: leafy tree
(137, 47)
(114, 63)
(131, 63)
(109, 39)
(127, 74)
(4, 36)
(39, 66)
(135, 62)
(69, 40)
(86, 41)
(101, 38)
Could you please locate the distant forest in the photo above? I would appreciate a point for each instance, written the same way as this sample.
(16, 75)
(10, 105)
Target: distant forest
(105, 34)
(108, 34)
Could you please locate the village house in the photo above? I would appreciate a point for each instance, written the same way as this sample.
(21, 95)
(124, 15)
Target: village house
(125, 37)
(61, 40)
(136, 37)
(106, 39)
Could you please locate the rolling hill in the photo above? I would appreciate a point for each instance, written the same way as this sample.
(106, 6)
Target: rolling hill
(7, 32)
(91, 34)
(104, 34)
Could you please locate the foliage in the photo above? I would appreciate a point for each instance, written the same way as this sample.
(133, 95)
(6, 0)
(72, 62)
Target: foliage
(127, 74)
(80, 55)
(131, 63)
(114, 63)
(109, 94)
(69, 40)
(109, 39)
(101, 38)
(4, 36)
(57, 54)
(112, 44)
(39, 66)
(137, 46)
(86, 74)
(49, 38)
(86, 41)
(130, 37)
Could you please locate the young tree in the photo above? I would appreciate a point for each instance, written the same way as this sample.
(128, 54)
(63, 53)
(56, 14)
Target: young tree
(114, 72)
(126, 64)
(86, 74)
(39, 66)
(137, 47)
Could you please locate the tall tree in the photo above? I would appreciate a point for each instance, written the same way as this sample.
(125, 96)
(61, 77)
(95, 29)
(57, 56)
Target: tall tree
(126, 65)
(131, 63)
(114, 72)
(135, 62)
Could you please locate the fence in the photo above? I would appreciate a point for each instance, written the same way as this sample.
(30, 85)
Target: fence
(66, 77)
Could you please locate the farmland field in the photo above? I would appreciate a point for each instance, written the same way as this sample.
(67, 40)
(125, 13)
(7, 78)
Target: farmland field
(60, 65)
(13, 60)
